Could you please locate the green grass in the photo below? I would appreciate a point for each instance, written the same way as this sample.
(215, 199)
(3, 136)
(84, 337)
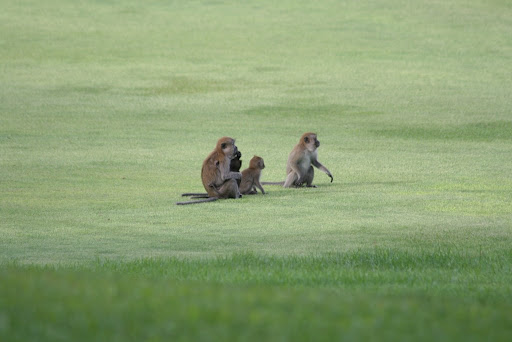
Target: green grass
(362, 295)
(107, 110)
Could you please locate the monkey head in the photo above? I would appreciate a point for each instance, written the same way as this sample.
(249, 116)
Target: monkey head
(236, 164)
(227, 147)
(309, 141)
(257, 163)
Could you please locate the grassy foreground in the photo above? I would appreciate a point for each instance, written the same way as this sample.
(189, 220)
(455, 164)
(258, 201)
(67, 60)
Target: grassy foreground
(107, 110)
(364, 295)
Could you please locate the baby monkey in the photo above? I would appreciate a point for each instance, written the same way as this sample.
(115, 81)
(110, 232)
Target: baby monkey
(251, 177)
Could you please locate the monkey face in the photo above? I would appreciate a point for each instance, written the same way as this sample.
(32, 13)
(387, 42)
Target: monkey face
(235, 163)
(228, 147)
(310, 141)
(257, 163)
(261, 163)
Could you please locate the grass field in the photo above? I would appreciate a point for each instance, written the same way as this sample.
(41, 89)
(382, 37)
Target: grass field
(107, 110)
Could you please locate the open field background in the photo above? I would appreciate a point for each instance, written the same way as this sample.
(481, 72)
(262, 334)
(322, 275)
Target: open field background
(107, 110)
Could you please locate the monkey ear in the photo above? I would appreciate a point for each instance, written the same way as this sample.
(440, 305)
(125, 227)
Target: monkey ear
(216, 163)
(306, 140)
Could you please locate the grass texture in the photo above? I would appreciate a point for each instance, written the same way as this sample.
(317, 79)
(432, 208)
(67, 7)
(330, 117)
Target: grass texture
(107, 110)
(362, 295)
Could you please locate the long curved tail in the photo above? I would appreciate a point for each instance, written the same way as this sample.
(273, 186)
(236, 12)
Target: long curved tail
(209, 199)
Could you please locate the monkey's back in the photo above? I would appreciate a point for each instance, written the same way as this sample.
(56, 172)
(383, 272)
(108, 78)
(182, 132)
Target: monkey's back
(210, 173)
(247, 180)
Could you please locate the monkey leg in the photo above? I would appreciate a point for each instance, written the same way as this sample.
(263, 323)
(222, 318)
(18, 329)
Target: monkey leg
(252, 191)
(229, 189)
(290, 179)
(308, 179)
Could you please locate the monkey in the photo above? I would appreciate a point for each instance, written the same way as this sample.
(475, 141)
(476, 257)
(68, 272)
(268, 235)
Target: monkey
(301, 160)
(299, 167)
(251, 177)
(217, 178)
(218, 181)
(234, 166)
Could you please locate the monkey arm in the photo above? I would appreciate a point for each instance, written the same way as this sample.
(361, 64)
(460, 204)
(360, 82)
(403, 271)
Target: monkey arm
(261, 189)
(214, 188)
(231, 175)
(235, 175)
(258, 184)
(319, 166)
(225, 172)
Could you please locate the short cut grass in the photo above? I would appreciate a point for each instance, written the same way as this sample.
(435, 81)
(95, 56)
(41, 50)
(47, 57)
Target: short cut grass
(108, 108)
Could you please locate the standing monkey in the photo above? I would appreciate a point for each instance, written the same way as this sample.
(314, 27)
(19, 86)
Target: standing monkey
(218, 180)
(251, 177)
(302, 158)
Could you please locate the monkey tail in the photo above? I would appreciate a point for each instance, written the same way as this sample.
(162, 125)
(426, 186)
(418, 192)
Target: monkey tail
(195, 194)
(272, 183)
(200, 196)
(209, 199)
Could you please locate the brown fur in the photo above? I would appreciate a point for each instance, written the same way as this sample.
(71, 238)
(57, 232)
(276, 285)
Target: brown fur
(234, 166)
(251, 177)
(302, 158)
(218, 180)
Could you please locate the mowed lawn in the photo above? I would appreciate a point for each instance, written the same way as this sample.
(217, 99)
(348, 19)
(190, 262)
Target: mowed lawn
(107, 110)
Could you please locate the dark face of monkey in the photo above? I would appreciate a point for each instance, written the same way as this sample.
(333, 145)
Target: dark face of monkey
(236, 163)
